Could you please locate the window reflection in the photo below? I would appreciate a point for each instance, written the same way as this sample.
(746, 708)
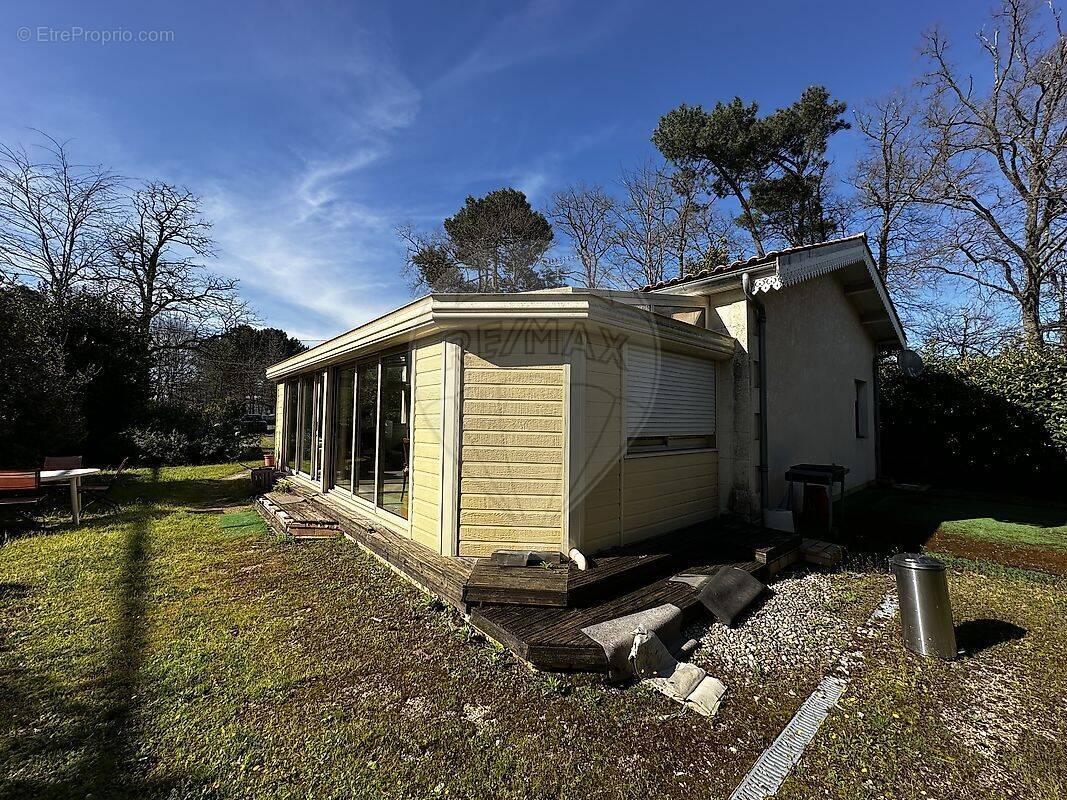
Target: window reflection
(372, 418)
(366, 425)
(344, 430)
(393, 436)
(307, 402)
(290, 423)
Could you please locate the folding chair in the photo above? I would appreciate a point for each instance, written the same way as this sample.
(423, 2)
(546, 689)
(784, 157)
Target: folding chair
(100, 493)
(62, 462)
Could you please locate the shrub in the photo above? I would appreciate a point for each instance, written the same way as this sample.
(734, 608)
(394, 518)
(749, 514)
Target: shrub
(980, 422)
(40, 411)
(174, 434)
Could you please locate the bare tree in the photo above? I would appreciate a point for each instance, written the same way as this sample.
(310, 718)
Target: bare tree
(1000, 159)
(587, 215)
(642, 221)
(716, 239)
(54, 217)
(156, 257)
(969, 330)
(689, 188)
(890, 173)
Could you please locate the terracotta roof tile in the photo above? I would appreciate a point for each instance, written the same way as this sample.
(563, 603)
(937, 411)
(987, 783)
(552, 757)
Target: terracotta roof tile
(741, 264)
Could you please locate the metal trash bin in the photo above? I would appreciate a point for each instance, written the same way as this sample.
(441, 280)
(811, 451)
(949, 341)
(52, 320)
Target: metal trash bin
(925, 613)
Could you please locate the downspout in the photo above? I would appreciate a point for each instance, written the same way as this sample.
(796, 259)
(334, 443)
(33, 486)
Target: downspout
(761, 331)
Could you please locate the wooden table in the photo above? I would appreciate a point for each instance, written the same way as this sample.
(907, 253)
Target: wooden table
(74, 478)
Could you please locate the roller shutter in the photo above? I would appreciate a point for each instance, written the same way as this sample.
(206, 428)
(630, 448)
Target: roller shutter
(668, 394)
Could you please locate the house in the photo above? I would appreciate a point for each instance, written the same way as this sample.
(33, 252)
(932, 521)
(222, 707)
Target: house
(587, 419)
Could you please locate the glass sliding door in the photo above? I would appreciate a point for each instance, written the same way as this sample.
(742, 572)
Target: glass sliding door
(371, 431)
(344, 428)
(317, 439)
(366, 430)
(291, 424)
(307, 425)
(393, 437)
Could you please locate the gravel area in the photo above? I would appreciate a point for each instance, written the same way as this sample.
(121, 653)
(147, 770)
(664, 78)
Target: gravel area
(808, 618)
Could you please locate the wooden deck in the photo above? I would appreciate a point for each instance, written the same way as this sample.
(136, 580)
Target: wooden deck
(539, 612)
(552, 638)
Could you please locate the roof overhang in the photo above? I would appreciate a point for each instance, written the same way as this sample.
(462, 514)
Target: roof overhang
(444, 313)
(851, 257)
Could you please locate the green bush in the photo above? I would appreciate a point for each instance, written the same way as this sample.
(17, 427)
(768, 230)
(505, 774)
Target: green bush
(997, 423)
(40, 409)
(174, 434)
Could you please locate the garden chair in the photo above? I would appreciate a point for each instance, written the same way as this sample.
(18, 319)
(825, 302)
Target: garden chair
(100, 493)
(20, 492)
(62, 462)
(56, 491)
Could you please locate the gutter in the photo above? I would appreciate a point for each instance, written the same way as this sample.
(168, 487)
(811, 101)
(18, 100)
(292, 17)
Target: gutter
(761, 331)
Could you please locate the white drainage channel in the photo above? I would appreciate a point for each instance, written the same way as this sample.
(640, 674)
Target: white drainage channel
(770, 770)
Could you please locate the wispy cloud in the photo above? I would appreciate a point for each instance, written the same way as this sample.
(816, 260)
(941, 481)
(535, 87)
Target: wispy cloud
(536, 30)
(310, 240)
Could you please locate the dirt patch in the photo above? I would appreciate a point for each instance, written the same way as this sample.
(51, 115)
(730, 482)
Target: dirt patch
(1054, 561)
(991, 716)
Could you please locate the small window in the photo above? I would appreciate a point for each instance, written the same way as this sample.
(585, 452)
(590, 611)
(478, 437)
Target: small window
(861, 410)
(755, 373)
(756, 426)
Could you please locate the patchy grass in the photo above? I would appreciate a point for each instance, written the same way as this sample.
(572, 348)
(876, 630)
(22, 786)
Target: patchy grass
(992, 724)
(164, 652)
(172, 651)
(1010, 531)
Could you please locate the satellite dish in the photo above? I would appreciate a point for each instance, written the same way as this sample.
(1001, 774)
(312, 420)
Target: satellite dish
(910, 363)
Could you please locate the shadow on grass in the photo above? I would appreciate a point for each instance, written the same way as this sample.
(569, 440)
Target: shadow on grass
(85, 743)
(976, 635)
(884, 520)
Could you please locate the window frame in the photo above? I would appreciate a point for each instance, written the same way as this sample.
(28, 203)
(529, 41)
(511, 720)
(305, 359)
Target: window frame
(861, 408)
(293, 429)
(349, 492)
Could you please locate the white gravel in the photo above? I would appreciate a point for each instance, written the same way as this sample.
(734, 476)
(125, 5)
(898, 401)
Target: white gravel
(804, 623)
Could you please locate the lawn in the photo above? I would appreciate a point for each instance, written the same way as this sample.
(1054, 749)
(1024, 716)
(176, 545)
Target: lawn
(178, 650)
(1011, 531)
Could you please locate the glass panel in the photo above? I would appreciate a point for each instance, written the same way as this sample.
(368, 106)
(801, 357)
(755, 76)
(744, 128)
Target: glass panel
(366, 422)
(343, 428)
(307, 402)
(316, 429)
(394, 441)
(290, 422)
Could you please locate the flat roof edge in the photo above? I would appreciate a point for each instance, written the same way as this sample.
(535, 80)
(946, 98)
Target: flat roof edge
(450, 312)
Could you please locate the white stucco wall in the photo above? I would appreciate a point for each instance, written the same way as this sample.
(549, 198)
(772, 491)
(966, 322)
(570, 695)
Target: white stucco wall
(816, 349)
(729, 313)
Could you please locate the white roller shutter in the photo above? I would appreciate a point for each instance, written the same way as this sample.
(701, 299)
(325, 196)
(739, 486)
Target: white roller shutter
(668, 394)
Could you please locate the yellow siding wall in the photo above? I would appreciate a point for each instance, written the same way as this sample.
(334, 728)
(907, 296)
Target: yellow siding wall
(511, 470)
(426, 454)
(665, 492)
(602, 438)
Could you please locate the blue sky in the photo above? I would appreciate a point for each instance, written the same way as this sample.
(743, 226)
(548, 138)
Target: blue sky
(312, 129)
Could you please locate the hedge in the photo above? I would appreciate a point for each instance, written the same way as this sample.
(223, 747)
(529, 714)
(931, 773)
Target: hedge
(994, 423)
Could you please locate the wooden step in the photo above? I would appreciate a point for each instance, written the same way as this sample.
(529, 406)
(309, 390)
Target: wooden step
(773, 547)
(532, 586)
